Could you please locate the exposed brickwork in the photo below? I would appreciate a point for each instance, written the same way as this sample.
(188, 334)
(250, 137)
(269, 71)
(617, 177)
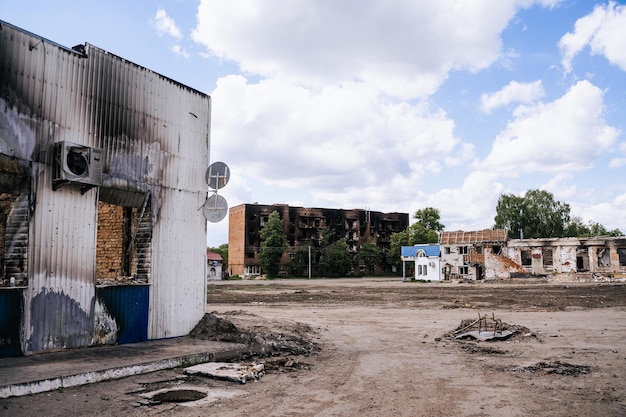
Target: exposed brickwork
(236, 239)
(115, 226)
(110, 241)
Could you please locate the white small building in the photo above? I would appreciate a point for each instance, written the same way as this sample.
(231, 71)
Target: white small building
(427, 260)
(214, 266)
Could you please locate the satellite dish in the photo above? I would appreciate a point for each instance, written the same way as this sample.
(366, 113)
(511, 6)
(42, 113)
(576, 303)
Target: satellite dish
(217, 175)
(215, 208)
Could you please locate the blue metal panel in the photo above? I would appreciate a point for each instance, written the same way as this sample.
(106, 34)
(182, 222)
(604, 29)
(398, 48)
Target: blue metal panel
(128, 306)
(429, 250)
(11, 312)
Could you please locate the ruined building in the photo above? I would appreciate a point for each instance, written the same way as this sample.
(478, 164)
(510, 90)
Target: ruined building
(102, 167)
(304, 228)
(488, 254)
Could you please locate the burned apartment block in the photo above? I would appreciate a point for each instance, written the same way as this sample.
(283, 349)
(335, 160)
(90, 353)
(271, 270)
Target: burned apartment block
(307, 229)
(102, 167)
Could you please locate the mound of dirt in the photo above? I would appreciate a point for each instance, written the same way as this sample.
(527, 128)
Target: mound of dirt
(274, 338)
(555, 368)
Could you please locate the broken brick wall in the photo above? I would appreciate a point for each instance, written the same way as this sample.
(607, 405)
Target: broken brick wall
(115, 254)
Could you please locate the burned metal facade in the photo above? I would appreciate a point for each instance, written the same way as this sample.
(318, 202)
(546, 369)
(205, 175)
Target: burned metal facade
(304, 227)
(102, 168)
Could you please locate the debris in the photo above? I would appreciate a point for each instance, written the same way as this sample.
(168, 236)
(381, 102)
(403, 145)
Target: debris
(227, 371)
(485, 335)
(555, 368)
(479, 329)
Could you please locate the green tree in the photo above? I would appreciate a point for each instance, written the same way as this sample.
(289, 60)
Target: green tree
(299, 265)
(536, 215)
(336, 260)
(273, 245)
(398, 240)
(577, 228)
(370, 254)
(427, 226)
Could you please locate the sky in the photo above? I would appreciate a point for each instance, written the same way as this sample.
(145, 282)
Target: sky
(390, 106)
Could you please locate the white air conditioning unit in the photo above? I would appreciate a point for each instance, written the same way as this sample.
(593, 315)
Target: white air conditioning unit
(76, 164)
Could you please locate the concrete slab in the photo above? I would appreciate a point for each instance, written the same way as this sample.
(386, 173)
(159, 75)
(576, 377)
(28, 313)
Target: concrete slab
(235, 372)
(72, 367)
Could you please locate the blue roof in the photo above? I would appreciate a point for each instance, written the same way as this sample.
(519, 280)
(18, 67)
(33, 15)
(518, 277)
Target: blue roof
(429, 250)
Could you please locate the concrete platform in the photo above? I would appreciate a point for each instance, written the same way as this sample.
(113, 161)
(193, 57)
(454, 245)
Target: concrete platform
(71, 367)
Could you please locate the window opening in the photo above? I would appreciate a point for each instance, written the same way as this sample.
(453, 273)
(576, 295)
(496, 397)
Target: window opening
(547, 258)
(621, 255)
(604, 257)
(14, 226)
(123, 243)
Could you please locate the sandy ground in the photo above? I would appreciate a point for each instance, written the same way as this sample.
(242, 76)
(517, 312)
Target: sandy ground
(382, 347)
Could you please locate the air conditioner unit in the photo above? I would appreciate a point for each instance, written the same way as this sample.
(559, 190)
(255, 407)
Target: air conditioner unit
(76, 164)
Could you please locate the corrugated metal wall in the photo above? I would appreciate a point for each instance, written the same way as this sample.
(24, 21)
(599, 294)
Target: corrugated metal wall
(154, 133)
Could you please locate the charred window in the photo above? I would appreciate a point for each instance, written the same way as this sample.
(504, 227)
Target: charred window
(14, 221)
(621, 255)
(123, 243)
(527, 259)
(604, 257)
(547, 258)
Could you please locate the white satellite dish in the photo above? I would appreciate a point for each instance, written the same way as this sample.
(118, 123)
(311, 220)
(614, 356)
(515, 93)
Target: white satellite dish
(215, 208)
(217, 175)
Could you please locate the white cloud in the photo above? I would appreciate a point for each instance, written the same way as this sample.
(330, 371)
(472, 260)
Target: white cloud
(343, 144)
(619, 161)
(603, 30)
(337, 42)
(562, 186)
(165, 25)
(561, 136)
(611, 215)
(179, 50)
(513, 92)
(471, 206)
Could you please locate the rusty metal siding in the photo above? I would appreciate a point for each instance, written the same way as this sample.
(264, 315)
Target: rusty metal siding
(154, 133)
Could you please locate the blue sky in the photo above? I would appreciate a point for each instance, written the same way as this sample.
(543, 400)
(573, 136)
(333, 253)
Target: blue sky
(390, 106)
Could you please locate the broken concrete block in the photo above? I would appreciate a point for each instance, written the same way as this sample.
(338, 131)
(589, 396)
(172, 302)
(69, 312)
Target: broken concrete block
(228, 371)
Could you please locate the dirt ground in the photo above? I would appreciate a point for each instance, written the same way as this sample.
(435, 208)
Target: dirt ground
(383, 347)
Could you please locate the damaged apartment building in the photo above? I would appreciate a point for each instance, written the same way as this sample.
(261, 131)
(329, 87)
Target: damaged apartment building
(102, 167)
(305, 228)
(489, 254)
